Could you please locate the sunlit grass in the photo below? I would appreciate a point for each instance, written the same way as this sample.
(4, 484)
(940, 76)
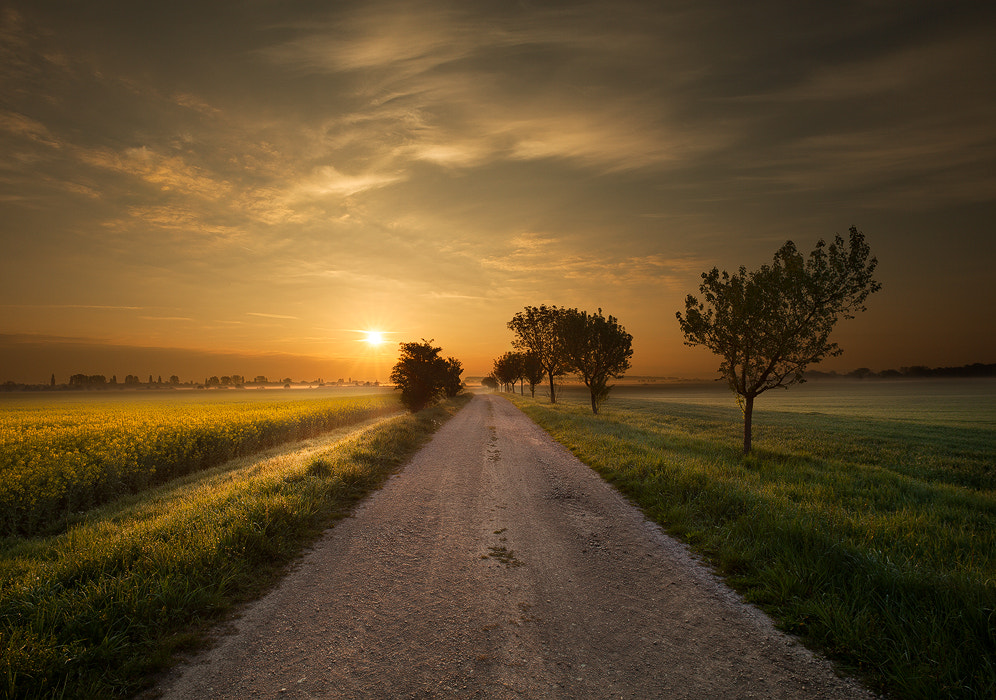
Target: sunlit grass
(92, 612)
(873, 539)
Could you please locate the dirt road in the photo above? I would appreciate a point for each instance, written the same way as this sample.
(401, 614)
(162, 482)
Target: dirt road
(496, 565)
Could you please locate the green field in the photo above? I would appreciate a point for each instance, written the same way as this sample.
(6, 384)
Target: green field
(93, 610)
(864, 521)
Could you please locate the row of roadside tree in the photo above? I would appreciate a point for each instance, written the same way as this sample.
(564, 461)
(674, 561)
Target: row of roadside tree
(551, 341)
(766, 325)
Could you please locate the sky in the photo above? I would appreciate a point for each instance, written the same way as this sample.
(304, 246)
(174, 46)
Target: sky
(246, 187)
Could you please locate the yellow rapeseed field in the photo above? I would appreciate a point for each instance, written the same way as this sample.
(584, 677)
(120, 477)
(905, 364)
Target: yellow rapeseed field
(58, 459)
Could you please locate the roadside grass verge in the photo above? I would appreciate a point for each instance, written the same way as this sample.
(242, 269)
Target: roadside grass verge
(96, 611)
(874, 541)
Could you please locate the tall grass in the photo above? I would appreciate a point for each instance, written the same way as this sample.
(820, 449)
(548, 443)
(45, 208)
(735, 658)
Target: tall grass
(91, 612)
(874, 540)
(58, 460)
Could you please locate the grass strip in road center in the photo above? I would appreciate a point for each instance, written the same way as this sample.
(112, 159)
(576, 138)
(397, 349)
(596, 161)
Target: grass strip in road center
(874, 542)
(93, 612)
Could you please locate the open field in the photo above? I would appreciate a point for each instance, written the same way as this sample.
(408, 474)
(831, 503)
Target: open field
(62, 454)
(97, 609)
(869, 530)
(955, 402)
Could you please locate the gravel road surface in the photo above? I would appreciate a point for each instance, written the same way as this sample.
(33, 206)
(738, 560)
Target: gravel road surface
(496, 565)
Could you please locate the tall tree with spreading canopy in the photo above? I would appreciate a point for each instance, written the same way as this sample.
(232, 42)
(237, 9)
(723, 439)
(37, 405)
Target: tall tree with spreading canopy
(537, 331)
(767, 325)
(423, 376)
(597, 348)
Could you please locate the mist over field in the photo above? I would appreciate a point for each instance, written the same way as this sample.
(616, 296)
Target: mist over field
(955, 402)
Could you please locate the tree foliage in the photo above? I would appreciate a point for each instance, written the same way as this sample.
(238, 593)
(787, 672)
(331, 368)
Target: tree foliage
(508, 369)
(767, 325)
(556, 340)
(451, 377)
(532, 371)
(537, 332)
(423, 376)
(597, 348)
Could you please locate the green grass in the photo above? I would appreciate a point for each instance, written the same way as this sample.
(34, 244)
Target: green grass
(94, 611)
(874, 540)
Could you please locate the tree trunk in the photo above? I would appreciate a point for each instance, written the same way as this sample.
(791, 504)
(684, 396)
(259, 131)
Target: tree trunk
(748, 411)
(522, 391)
(594, 403)
(553, 395)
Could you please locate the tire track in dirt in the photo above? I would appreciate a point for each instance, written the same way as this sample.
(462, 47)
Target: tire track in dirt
(496, 565)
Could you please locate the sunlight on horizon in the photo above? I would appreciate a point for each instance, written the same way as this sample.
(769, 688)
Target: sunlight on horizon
(374, 338)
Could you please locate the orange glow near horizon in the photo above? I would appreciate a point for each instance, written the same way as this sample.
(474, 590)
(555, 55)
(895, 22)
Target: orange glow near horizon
(433, 187)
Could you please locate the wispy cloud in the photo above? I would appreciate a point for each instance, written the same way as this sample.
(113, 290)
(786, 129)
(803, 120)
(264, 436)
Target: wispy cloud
(263, 315)
(99, 307)
(327, 181)
(24, 127)
(532, 253)
(442, 79)
(191, 223)
(167, 172)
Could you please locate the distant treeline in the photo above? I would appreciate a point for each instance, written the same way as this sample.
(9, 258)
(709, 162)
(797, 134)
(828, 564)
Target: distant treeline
(101, 382)
(917, 371)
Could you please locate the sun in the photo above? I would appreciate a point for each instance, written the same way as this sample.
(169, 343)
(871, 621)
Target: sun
(374, 338)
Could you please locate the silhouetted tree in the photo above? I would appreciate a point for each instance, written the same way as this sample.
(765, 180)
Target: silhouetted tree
(423, 376)
(597, 348)
(451, 379)
(769, 324)
(490, 382)
(532, 371)
(508, 369)
(536, 331)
